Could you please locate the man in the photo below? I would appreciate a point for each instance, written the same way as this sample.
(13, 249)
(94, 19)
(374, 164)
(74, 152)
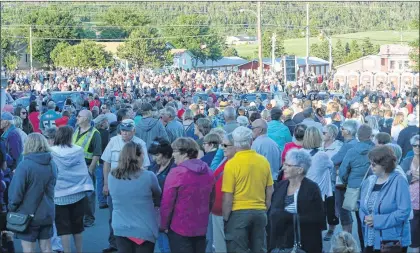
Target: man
(114, 127)
(265, 146)
(247, 188)
(174, 128)
(48, 118)
(382, 139)
(110, 157)
(277, 131)
(348, 131)
(12, 141)
(356, 164)
(299, 116)
(101, 123)
(106, 110)
(309, 121)
(405, 135)
(149, 128)
(89, 139)
(229, 115)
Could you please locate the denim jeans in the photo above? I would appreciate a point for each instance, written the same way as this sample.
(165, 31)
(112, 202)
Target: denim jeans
(111, 238)
(100, 185)
(90, 204)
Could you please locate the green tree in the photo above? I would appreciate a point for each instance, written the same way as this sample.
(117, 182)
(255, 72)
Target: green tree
(367, 47)
(145, 48)
(128, 19)
(86, 33)
(321, 50)
(112, 33)
(355, 52)
(87, 54)
(9, 48)
(267, 42)
(347, 48)
(55, 53)
(194, 34)
(339, 53)
(415, 48)
(50, 23)
(230, 51)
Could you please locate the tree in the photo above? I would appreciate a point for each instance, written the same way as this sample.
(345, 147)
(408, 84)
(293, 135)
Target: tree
(87, 54)
(267, 42)
(193, 33)
(339, 53)
(9, 48)
(86, 33)
(347, 48)
(321, 50)
(51, 23)
(55, 53)
(145, 48)
(415, 45)
(367, 47)
(127, 19)
(112, 33)
(230, 51)
(355, 52)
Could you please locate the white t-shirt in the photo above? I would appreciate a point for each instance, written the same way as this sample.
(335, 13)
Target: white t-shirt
(112, 151)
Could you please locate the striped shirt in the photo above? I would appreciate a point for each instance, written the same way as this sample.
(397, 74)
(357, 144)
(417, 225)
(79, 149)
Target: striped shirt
(70, 199)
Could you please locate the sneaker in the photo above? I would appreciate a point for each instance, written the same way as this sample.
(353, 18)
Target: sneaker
(328, 235)
(104, 206)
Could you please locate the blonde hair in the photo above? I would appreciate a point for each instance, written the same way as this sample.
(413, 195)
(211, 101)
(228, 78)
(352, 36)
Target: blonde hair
(265, 114)
(312, 138)
(17, 122)
(344, 242)
(399, 119)
(35, 143)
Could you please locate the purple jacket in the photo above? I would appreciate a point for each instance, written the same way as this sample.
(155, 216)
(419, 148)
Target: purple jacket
(14, 147)
(185, 206)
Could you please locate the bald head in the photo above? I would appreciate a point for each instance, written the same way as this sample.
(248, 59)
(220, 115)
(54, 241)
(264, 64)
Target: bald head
(259, 127)
(86, 113)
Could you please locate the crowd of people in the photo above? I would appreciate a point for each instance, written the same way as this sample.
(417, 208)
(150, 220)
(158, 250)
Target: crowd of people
(180, 174)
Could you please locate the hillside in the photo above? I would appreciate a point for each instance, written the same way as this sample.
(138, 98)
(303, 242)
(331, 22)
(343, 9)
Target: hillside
(298, 46)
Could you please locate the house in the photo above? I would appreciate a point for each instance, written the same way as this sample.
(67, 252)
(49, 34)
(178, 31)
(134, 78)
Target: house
(111, 47)
(391, 58)
(240, 40)
(184, 59)
(254, 65)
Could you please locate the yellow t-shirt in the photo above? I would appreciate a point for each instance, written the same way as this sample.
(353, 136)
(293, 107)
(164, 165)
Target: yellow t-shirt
(247, 175)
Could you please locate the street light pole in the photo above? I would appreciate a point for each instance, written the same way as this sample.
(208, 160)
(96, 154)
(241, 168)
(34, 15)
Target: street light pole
(30, 45)
(307, 39)
(260, 59)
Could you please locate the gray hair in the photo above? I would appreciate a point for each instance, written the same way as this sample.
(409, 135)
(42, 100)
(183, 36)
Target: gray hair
(50, 132)
(414, 139)
(242, 137)
(51, 105)
(242, 121)
(372, 122)
(300, 158)
(397, 151)
(229, 137)
(188, 115)
(17, 121)
(169, 111)
(351, 126)
(220, 131)
(332, 130)
(35, 143)
(229, 113)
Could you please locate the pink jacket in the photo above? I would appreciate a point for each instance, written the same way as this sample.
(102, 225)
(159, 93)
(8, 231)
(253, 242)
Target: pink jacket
(185, 206)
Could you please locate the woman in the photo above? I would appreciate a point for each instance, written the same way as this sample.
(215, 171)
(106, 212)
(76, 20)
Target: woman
(34, 116)
(297, 195)
(397, 126)
(373, 123)
(344, 242)
(385, 204)
(18, 124)
(26, 124)
(188, 123)
(32, 191)
(265, 114)
(186, 199)
(330, 144)
(72, 185)
(161, 152)
(217, 218)
(135, 193)
(298, 135)
(201, 128)
(320, 115)
(322, 172)
(211, 144)
(411, 167)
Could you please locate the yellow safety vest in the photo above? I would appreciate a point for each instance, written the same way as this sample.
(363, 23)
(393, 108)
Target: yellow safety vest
(84, 141)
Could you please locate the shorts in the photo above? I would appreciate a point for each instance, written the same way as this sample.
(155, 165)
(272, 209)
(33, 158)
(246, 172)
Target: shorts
(34, 233)
(415, 225)
(69, 218)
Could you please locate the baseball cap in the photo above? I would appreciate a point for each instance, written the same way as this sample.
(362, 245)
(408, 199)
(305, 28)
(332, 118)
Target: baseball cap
(100, 118)
(6, 116)
(127, 125)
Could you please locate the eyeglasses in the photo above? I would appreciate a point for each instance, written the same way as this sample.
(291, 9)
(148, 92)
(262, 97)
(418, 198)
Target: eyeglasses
(127, 125)
(252, 128)
(24, 113)
(373, 164)
(415, 145)
(225, 145)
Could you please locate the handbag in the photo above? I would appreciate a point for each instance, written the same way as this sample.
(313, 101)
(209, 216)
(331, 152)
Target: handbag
(18, 222)
(296, 234)
(352, 196)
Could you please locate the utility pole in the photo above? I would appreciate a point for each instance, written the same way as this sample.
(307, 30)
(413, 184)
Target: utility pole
(273, 52)
(307, 39)
(261, 66)
(30, 46)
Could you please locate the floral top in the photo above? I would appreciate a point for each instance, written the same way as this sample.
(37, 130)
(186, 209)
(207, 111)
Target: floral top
(414, 193)
(371, 205)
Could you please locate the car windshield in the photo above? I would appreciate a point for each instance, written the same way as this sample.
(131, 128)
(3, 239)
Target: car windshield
(21, 101)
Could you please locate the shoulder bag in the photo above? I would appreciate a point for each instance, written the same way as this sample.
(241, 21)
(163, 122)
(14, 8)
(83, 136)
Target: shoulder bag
(352, 196)
(18, 222)
(297, 246)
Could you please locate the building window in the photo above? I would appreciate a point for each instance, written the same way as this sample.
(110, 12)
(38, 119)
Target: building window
(392, 65)
(406, 65)
(184, 61)
(383, 62)
(400, 65)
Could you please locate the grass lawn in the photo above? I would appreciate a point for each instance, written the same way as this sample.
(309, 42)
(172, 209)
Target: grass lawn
(298, 46)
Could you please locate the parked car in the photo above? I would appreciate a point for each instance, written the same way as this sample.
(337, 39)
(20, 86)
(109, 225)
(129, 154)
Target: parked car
(251, 97)
(23, 101)
(77, 97)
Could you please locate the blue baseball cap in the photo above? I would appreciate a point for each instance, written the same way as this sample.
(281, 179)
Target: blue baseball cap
(6, 116)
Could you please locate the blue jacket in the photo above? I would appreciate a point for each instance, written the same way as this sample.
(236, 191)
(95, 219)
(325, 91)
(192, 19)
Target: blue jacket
(34, 183)
(355, 164)
(391, 213)
(279, 133)
(218, 159)
(338, 158)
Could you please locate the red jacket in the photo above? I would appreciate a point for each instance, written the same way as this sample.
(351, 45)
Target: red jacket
(95, 102)
(218, 175)
(61, 121)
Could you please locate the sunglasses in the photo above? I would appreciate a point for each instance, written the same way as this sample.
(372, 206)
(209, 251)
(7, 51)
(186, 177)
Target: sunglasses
(23, 113)
(127, 125)
(415, 145)
(225, 145)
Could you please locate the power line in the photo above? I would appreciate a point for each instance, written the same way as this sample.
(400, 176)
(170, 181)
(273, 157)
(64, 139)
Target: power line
(115, 26)
(117, 40)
